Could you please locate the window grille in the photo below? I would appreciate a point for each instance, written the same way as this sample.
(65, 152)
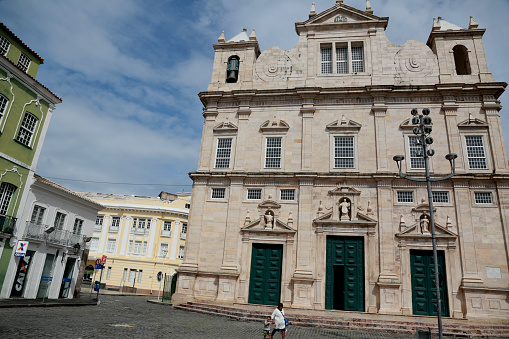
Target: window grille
(3, 105)
(342, 60)
(218, 193)
(287, 194)
(416, 159)
(440, 197)
(344, 152)
(475, 152)
(23, 62)
(273, 153)
(326, 53)
(357, 59)
(405, 196)
(223, 153)
(483, 198)
(254, 193)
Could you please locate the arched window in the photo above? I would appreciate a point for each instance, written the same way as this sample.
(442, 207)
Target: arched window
(232, 70)
(461, 60)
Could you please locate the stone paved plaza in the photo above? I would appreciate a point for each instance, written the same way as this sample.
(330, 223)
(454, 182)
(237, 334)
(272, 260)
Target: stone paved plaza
(134, 317)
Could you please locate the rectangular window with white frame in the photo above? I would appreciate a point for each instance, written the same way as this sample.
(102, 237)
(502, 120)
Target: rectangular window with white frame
(144, 248)
(78, 225)
(137, 248)
(115, 223)
(59, 221)
(110, 245)
(254, 193)
(218, 193)
(483, 198)
(405, 197)
(27, 129)
(181, 252)
(108, 273)
(166, 228)
(130, 248)
(440, 197)
(94, 244)
(163, 250)
(6, 193)
(140, 274)
(183, 232)
(475, 152)
(273, 151)
(3, 106)
(99, 220)
(223, 152)
(37, 215)
(415, 150)
(287, 194)
(23, 62)
(4, 45)
(344, 152)
(342, 57)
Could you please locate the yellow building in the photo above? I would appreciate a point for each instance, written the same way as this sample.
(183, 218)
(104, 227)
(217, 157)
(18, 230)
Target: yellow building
(142, 237)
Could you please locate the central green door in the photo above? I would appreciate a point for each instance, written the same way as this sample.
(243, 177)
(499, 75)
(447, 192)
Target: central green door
(424, 297)
(344, 281)
(265, 281)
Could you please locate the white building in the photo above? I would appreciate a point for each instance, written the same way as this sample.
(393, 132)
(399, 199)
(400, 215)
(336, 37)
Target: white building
(297, 198)
(56, 222)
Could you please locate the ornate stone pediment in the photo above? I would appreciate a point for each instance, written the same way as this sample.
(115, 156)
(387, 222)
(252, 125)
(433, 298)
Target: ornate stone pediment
(417, 230)
(225, 128)
(260, 225)
(360, 218)
(275, 126)
(473, 123)
(407, 125)
(342, 14)
(341, 190)
(344, 126)
(269, 204)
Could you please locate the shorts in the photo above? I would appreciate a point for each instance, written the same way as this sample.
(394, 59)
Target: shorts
(266, 332)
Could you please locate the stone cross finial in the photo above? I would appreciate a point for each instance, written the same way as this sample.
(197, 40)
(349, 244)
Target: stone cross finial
(473, 24)
(368, 7)
(339, 2)
(221, 37)
(312, 13)
(253, 35)
(436, 25)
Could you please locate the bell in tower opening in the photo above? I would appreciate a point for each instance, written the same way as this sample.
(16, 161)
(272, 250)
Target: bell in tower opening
(232, 71)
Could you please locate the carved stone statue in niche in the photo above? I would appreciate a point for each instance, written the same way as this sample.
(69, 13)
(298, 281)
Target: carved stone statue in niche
(344, 209)
(269, 219)
(424, 224)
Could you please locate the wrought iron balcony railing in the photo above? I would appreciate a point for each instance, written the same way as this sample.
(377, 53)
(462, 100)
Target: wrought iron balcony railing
(58, 237)
(7, 224)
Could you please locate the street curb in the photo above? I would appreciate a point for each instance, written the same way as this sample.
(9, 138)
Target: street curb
(159, 302)
(92, 303)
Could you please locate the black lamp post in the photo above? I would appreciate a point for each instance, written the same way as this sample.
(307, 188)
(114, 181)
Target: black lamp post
(422, 130)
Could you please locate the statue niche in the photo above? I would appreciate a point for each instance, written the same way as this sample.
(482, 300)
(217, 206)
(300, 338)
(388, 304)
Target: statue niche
(345, 210)
(424, 224)
(269, 219)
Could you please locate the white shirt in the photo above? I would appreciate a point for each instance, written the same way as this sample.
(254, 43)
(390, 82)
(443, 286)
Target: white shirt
(279, 318)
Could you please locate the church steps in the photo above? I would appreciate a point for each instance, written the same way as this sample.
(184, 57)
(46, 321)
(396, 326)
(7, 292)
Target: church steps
(456, 330)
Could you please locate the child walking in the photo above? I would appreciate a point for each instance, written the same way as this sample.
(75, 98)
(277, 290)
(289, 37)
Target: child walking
(266, 328)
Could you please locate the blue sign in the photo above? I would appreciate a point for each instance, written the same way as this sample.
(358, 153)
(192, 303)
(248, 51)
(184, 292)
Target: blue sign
(99, 266)
(67, 280)
(46, 278)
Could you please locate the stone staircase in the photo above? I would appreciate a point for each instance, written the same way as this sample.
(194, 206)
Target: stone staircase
(452, 328)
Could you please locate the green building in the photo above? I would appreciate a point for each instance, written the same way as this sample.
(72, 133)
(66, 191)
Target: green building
(25, 112)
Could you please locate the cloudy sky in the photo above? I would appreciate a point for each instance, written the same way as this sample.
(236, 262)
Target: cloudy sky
(129, 71)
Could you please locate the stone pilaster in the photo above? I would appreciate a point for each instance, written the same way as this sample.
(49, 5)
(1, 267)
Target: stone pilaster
(233, 224)
(207, 147)
(243, 132)
(307, 110)
(386, 231)
(453, 134)
(305, 255)
(498, 150)
(466, 234)
(379, 110)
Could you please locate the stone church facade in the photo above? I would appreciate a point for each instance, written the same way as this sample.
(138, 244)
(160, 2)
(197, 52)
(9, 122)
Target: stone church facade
(297, 199)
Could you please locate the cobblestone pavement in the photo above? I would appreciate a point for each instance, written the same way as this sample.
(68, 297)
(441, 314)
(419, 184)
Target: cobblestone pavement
(134, 317)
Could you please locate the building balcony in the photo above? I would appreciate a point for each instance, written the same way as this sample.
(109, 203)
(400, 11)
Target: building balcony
(7, 224)
(140, 231)
(183, 236)
(165, 234)
(98, 228)
(38, 232)
(113, 229)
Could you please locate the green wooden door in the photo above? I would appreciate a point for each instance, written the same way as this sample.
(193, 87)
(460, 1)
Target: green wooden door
(424, 297)
(265, 281)
(344, 282)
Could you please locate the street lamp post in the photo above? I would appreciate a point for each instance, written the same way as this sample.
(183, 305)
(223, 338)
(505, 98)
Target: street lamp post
(422, 130)
(165, 253)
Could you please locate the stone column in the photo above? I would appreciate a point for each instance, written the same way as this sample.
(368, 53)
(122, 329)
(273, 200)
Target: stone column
(466, 235)
(386, 232)
(233, 224)
(305, 251)
(307, 110)
(498, 151)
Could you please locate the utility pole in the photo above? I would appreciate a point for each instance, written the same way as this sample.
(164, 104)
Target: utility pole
(422, 130)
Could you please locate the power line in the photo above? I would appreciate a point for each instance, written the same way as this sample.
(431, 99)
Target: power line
(113, 183)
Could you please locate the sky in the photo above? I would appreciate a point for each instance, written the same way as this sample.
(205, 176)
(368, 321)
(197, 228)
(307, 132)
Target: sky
(129, 71)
